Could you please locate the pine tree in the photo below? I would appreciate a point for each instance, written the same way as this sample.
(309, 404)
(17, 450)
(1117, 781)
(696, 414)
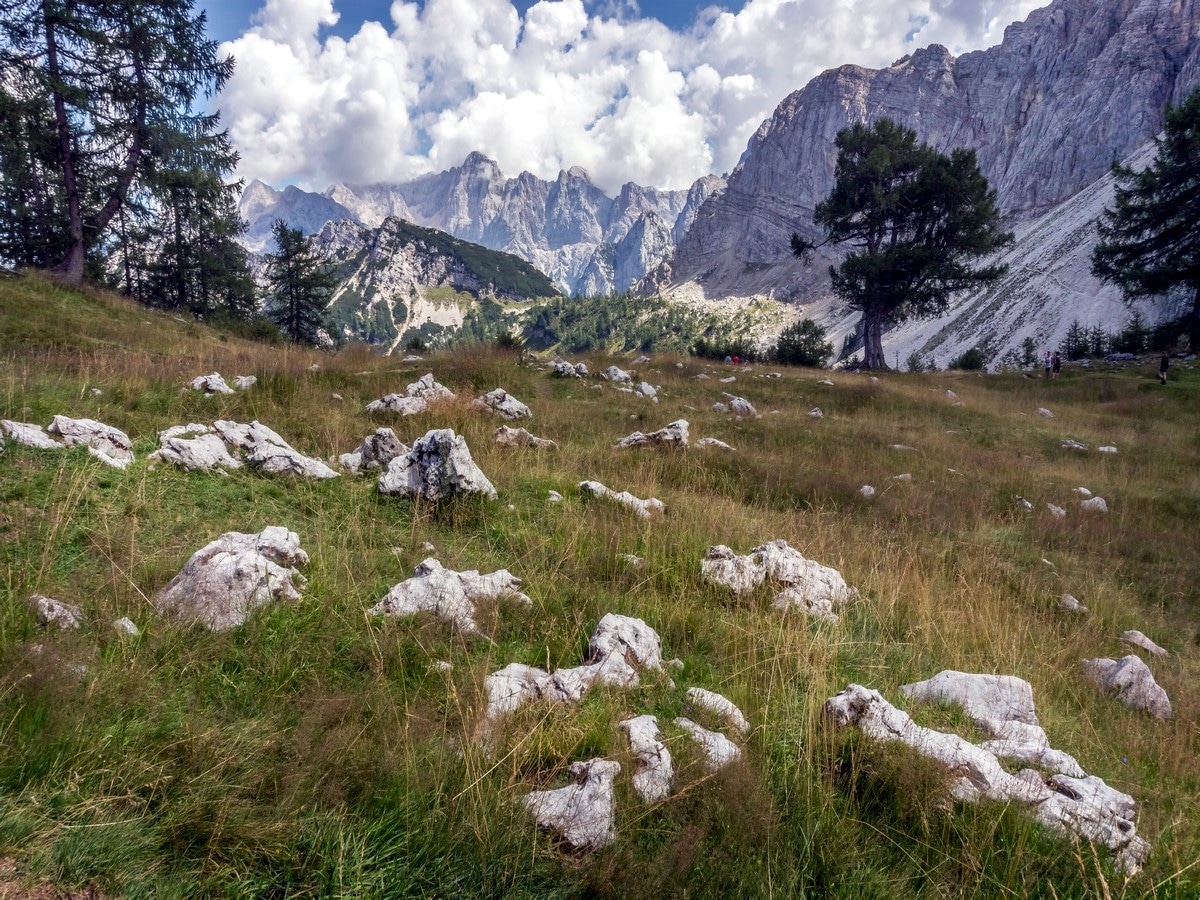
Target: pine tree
(914, 217)
(300, 286)
(1150, 237)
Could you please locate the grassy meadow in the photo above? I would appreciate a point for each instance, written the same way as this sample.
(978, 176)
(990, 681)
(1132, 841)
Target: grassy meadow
(318, 751)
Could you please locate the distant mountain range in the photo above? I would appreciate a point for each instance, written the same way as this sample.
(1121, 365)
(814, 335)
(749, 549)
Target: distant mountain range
(1076, 86)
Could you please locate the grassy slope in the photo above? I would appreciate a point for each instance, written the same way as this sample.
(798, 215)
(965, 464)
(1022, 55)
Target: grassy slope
(317, 752)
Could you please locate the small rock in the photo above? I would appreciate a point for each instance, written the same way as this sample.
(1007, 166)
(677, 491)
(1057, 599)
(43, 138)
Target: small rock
(427, 547)
(110, 445)
(49, 611)
(826, 382)
(652, 780)
(617, 375)
(643, 508)
(338, 397)
(29, 435)
(905, 476)
(555, 497)
(1024, 504)
(711, 442)
(582, 814)
(211, 384)
(673, 435)
(502, 404)
(564, 369)
(950, 395)
(728, 380)
(1045, 413)
(1140, 640)
(245, 382)
(1070, 604)
(125, 626)
(740, 406)
(866, 491)
(449, 595)
(519, 437)
(641, 360)
(315, 367)
(816, 413)
(633, 561)
(191, 451)
(1108, 449)
(1073, 445)
(721, 706)
(1094, 504)
(1083, 492)
(96, 392)
(719, 751)
(1133, 683)
(901, 447)
(647, 390)
(720, 407)
(1057, 511)
(375, 452)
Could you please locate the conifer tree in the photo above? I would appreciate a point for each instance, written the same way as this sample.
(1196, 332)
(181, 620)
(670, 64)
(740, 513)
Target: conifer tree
(299, 286)
(1150, 237)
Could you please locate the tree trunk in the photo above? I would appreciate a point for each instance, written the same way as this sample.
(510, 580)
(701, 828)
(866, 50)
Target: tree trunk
(1194, 330)
(70, 269)
(873, 339)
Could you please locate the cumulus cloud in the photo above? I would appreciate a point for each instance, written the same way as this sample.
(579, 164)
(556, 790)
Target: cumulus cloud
(608, 89)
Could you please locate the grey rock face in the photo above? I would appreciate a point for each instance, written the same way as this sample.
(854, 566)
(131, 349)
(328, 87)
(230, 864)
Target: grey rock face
(519, 437)
(28, 435)
(438, 466)
(1132, 682)
(673, 435)
(1003, 697)
(225, 581)
(49, 611)
(110, 445)
(449, 595)
(375, 452)
(582, 814)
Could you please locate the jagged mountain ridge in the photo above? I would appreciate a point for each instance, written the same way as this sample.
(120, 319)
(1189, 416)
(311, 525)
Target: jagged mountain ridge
(587, 242)
(1074, 87)
(400, 279)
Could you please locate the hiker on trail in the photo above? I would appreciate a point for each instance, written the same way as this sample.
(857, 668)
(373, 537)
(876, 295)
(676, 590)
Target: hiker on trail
(1056, 365)
(1047, 365)
(1163, 365)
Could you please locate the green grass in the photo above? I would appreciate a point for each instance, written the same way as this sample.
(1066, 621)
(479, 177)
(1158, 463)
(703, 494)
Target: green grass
(317, 751)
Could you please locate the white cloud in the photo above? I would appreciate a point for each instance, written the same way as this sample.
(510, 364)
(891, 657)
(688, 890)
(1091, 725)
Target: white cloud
(621, 95)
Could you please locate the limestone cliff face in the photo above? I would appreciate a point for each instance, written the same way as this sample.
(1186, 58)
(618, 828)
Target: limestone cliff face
(261, 205)
(1077, 85)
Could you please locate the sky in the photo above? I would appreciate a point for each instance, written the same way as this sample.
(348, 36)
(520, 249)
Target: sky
(656, 92)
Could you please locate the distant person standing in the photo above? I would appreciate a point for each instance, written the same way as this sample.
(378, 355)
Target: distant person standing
(1056, 365)
(1163, 365)
(1047, 365)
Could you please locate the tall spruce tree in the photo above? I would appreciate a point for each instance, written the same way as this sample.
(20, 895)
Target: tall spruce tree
(1150, 237)
(299, 285)
(105, 88)
(915, 218)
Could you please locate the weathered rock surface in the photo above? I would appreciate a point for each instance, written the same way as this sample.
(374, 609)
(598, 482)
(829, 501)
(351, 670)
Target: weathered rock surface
(266, 451)
(712, 443)
(564, 369)
(719, 751)
(643, 508)
(519, 437)
(673, 435)
(503, 404)
(635, 641)
(449, 595)
(807, 585)
(28, 435)
(617, 375)
(108, 444)
(438, 466)
(1002, 697)
(237, 573)
(583, 813)
(720, 705)
(375, 452)
(1132, 682)
(652, 780)
(49, 611)
(190, 449)
(1087, 807)
(415, 399)
(740, 406)
(1140, 640)
(211, 384)
(244, 382)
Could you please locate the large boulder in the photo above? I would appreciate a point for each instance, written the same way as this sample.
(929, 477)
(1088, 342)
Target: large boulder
(582, 814)
(108, 444)
(438, 466)
(503, 404)
(1133, 683)
(449, 595)
(234, 575)
(673, 435)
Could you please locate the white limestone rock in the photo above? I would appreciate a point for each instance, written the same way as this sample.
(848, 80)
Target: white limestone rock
(125, 625)
(1056, 511)
(581, 814)
(415, 399)
(904, 476)
(1024, 504)
(1028, 744)
(643, 508)
(719, 751)
(673, 435)
(554, 497)
(1083, 492)
(728, 380)
(49, 611)
(1132, 682)
(631, 638)
(192, 451)
(646, 389)
(712, 443)
(519, 437)
(1140, 640)
(740, 406)
(245, 382)
(1070, 604)
(28, 435)
(449, 595)
(1070, 444)
(268, 452)
(654, 774)
(503, 404)
(1107, 449)
(1045, 413)
(1003, 697)
(807, 585)
(720, 705)
(211, 384)
(866, 491)
(438, 466)
(815, 413)
(108, 444)
(375, 452)
(1094, 504)
(617, 375)
(564, 369)
(237, 573)
(720, 407)
(1086, 807)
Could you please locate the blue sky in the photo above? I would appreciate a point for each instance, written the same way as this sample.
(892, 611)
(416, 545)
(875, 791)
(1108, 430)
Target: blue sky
(660, 94)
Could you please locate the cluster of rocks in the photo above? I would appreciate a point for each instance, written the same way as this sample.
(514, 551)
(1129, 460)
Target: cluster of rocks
(198, 446)
(739, 406)
(215, 384)
(1067, 800)
(807, 586)
(108, 444)
(416, 398)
